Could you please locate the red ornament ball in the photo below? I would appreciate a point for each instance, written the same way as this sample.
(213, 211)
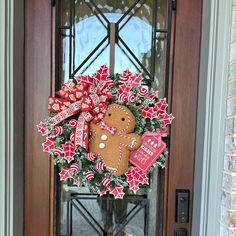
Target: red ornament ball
(131, 98)
(91, 156)
(109, 83)
(123, 79)
(73, 123)
(58, 151)
(72, 137)
(142, 92)
(100, 165)
(58, 130)
(105, 182)
(74, 167)
(89, 175)
(122, 97)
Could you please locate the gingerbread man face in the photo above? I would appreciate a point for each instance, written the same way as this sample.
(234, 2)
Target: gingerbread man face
(112, 139)
(120, 117)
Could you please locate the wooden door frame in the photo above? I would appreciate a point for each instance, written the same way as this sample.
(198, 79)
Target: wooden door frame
(11, 116)
(185, 72)
(37, 184)
(184, 97)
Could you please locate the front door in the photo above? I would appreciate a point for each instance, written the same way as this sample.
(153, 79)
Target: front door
(160, 39)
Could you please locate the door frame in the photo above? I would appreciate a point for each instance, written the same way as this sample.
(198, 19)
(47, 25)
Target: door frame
(210, 143)
(13, 28)
(12, 117)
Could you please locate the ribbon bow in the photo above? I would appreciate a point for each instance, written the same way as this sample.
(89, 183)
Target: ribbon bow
(88, 97)
(158, 134)
(104, 126)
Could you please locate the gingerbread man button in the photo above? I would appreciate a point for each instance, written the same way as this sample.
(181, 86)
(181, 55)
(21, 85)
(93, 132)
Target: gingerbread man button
(113, 139)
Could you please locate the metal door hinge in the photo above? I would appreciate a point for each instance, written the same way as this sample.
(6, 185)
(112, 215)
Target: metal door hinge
(174, 3)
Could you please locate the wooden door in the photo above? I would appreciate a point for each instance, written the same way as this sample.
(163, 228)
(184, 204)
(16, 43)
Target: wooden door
(39, 83)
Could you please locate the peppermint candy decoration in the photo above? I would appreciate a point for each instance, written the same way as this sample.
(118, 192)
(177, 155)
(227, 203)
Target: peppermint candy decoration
(89, 175)
(91, 156)
(100, 165)
(72, 137)
(123, 79)
(73, 123)
(58, 151)
(58, 130)
(142, 92)
(131, 98)
(122, 97)
(74, 167)
(105, 182)
(109, 83)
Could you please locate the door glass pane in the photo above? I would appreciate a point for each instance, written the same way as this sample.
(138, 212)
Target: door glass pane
(83, 46)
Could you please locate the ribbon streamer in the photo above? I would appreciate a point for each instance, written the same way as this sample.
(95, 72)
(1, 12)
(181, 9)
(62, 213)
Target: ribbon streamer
(88, 100)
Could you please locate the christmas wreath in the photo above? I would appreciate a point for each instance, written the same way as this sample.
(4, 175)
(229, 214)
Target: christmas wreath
(105, 132)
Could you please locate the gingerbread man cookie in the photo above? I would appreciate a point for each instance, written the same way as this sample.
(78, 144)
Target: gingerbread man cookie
(112, 139)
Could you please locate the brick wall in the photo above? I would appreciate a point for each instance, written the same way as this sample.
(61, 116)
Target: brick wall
(228, 204)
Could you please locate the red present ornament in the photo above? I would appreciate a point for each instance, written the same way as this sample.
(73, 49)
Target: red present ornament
(150, 150)
(89, 175)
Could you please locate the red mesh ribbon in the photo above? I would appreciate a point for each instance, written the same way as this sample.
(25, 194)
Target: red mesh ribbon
(88, 98)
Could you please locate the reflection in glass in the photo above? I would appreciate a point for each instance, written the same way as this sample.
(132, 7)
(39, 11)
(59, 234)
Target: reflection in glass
(89, 32)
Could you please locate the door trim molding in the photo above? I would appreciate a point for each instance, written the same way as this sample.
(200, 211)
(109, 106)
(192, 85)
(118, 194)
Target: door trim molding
(11, 119)
(211, 116)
